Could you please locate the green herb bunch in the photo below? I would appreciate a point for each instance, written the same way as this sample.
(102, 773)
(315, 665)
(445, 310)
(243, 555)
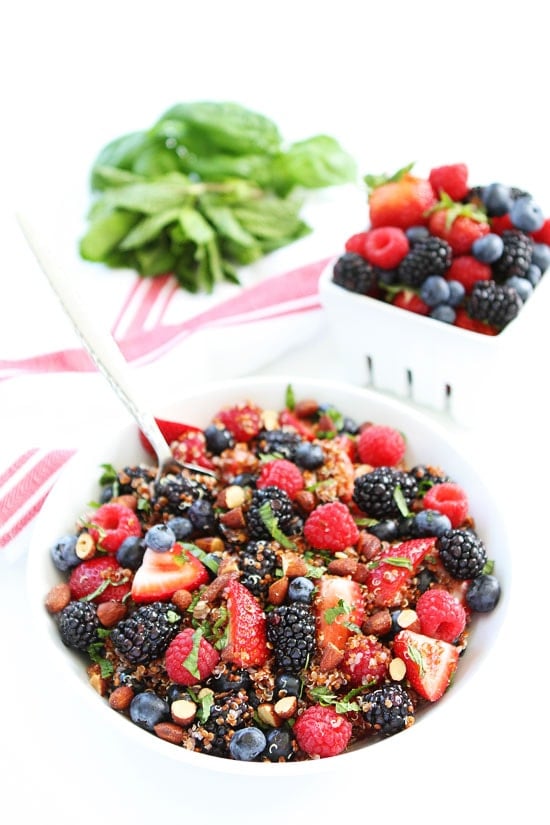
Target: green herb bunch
(209, 187)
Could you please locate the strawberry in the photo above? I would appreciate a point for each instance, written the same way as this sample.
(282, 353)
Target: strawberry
(111, 524)
(190, 658)
(339, 610)
(464, 321)
(459, 224)
(467, 271)
(407, 299)
(289, 419)
(171, 430)
(161, 574)
(395, 567)
(402, 203)
(102, 576)
(247, 640)
(430, 663)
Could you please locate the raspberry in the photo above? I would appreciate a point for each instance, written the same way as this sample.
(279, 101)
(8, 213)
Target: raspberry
(283, 474)
(406, 299)
(191, 448)
(440, 615)
(111, 524)
(356, 243)
(381, 446)
(467, 271)
(190, 658)
(366, 661)
(331, 527)
(102, 575)
(450, 499)
(321, 732)
(386, 246)
(452, 179)
(244, 421)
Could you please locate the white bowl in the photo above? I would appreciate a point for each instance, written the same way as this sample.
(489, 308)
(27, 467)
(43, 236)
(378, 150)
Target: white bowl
(427, 443)
(442, 367)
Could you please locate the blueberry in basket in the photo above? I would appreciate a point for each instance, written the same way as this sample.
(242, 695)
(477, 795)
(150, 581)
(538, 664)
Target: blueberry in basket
(316, 592)
(466, 255)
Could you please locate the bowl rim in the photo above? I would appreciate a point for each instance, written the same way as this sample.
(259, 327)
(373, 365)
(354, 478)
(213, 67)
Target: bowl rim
(36, 588)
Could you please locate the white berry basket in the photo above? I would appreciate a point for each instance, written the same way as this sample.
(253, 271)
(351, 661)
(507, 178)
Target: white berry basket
(448, 369)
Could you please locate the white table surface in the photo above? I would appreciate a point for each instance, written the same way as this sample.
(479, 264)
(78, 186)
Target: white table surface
(77, 75)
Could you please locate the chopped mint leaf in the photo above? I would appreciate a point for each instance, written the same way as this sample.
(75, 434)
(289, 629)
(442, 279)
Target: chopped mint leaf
(399, 499)
(200, 554)
(340, 609)
(191, 662)
(398, 561)
(109, 474)
(95, 652)
(272, 526)
(416, 657)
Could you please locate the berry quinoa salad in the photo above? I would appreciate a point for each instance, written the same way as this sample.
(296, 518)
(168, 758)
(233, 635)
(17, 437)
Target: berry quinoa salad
(309, 591)
(467, 255)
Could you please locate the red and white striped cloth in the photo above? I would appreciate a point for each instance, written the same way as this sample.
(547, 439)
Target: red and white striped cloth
(286, 306)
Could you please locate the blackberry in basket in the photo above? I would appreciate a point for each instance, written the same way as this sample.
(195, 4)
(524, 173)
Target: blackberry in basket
(354, 273)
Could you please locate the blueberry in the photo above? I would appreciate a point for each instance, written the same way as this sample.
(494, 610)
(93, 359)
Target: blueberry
(523, 286)
(497, 199)
(435, 290)
(230, 680)
(488, 248)
(541, 256)
(106, 494)
(457, 293)
(245, 480)
(181, 527)
(387, 530)
(526, 215)
(533, 274)
(130, 553)
(147, 710)
(63, 553)
(247, 744)
(417, 233)
(176, 692)
(430, 523)
(309, 456)
(201, 514)
(279, 745)
(483, 593)
(349, 425)
(301, 590)
(218, 439)
(424, 579)
(160, 538)
(444, 313)
(286, 684)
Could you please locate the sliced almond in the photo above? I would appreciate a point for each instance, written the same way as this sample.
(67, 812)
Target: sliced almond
(85, 547)
(267, 715)
(397, 669)
(286, 706)
(183, 711)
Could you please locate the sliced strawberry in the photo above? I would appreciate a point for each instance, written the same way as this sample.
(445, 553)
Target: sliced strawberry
(430, 663)
(247, 642)
(339, 610)
(289, 419)
(100, 579)
(161, 574)
(395, 567)
(171, 430)
(111, 524)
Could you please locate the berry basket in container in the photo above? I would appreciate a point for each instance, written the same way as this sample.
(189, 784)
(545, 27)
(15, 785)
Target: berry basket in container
(442, 299)
(446, 368)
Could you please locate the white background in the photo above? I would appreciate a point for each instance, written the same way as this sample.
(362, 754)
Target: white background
(395, 82)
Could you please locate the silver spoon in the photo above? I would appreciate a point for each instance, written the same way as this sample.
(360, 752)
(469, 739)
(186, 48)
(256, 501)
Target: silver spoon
(103, 350)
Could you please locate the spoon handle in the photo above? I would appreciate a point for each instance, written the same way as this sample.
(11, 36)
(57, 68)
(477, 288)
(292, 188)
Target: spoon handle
(101, 346)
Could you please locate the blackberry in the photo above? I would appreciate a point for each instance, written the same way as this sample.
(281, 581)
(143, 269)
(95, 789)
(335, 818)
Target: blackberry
(230, 712)
(257, 562)
(432, 256)
(516, 256)
(281, 509)
(426, 477)
(130, 479)
(354, 273)
(462, 553)
(176, 493)
(377, 493)
(283, 443)
(291, 631)
(388, 710)
(147, 632)
(78, 624)
(497, 304)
